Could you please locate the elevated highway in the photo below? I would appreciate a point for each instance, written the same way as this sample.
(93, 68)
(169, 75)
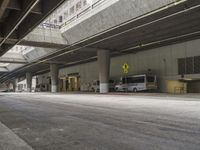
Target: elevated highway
(18, 18)
(144, 25)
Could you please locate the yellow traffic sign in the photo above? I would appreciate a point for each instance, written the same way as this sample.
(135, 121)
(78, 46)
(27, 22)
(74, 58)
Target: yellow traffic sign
(125, 68)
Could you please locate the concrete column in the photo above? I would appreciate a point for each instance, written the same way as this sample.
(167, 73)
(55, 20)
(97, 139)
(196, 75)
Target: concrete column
(29, 81)
(54, 77)
(64, 85)
(14, 84)
(104, 70)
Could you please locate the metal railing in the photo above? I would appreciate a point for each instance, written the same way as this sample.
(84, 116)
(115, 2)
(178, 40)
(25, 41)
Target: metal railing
(48, 25)
(83, 12)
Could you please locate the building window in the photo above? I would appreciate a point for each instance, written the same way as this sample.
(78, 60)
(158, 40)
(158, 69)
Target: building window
(60, 19)
(65, 15)
(84, 2)
(197, 64)
(181, 66)
(189, 65)
(55, 21)
(78, 5)
(71, 10)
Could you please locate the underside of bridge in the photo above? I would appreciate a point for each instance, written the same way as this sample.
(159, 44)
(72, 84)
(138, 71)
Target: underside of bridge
(168, 25)
(99, 74)
(17, 19)
(20, 17)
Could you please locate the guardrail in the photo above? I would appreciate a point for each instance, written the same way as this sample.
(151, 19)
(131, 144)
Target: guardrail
(48, 25)
(83, 12)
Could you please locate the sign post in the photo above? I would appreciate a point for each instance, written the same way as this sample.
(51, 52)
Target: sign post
(125, 68)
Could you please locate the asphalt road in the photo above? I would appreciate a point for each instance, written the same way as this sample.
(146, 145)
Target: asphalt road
(100, 122)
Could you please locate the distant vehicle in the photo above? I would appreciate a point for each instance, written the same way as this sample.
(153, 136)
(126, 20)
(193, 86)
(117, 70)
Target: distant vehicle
(41, 88)
(37, 88)
(96, 87)
(137, 83)
(4, 90)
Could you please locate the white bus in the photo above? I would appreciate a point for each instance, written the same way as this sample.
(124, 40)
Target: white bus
(137, 83)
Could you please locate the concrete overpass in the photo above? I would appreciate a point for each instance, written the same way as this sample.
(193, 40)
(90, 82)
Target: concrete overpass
(147, 24)
(12, 60)
(18, 18)
(158, 36)
(42, 37)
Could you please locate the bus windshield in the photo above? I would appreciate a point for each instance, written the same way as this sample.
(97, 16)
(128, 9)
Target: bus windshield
(150, 79)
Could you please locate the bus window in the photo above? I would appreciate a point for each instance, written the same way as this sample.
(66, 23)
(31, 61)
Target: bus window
(126, 80)
(129, 80)
(138, 80)
(150, 79)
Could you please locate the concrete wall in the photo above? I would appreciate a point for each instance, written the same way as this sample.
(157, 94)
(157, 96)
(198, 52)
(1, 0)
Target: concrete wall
(43, 79)
(88, 72)
(37, 53)
(44, 37)
(3, 87)
(175, 87)
(119, 12)
(22, 85)
(194, 87)
(162, 61)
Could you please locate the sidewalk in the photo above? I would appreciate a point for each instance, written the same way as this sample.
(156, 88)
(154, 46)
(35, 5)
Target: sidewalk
(10, 141)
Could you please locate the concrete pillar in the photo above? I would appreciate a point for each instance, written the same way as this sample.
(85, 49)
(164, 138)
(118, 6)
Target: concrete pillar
(54, 77)
(104, 70)
(14, 84)
(29, 81)
(64, 85)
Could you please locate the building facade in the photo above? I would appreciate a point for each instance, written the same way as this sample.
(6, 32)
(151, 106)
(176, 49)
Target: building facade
(165, 62)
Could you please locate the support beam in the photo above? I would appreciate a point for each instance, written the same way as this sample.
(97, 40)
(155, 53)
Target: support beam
(22, 18)
(14, 5)
(29, 81)
(3, 69)
(12, 60)
(104, 70)
(14, 84)
(32, 21)
(54, 77)
(64, 85)
(39, 37)
(13, 21)
(3, 6)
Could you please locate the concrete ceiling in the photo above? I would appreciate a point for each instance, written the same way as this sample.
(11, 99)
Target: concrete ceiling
(173, 25)
(19, 17)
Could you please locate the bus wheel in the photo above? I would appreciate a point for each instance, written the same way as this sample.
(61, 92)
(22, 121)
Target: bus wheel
(135, 90)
